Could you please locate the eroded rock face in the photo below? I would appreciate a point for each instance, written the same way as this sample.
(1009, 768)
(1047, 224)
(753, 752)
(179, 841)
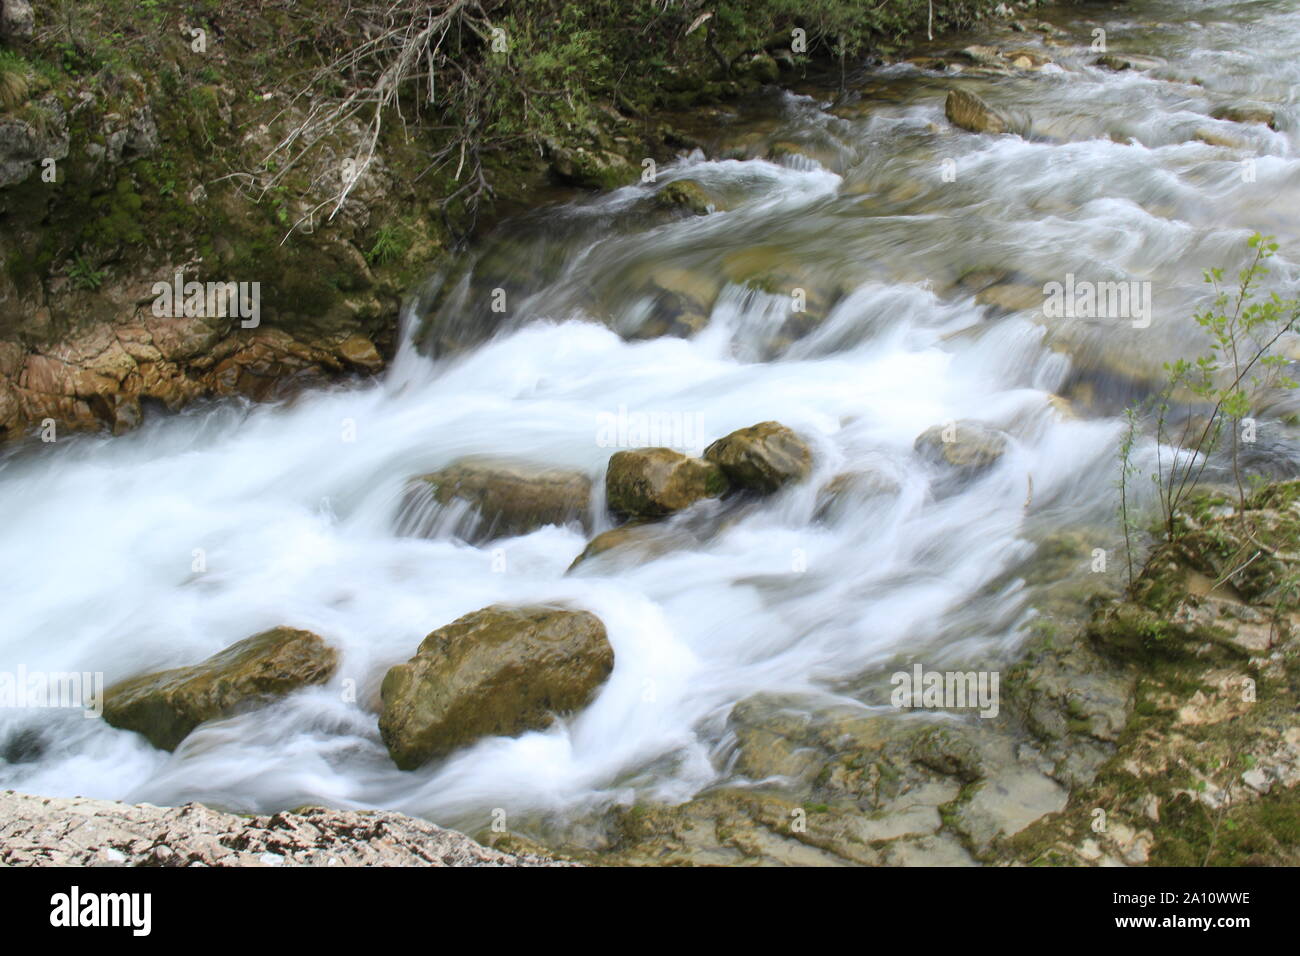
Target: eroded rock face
(166, 706)
(970, 112)
(653, 482)
(508, 497)
(36, 831)
(498, 671)
(24, 146)
(763, 457)
(967, 447)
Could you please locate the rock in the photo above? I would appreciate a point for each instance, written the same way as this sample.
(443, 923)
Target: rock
(971, 113)
(508, 498)
(1008, 297)
(1247, 114)
(498, 671)
(1211, 138)
(774, 270)
(166, 706)
(760, 67)
(39, 831)
(763, 457)
(984, 56)
(681, 302)
(1127, 61)
(1035, 58)
(851, 488)
(685, 194)
(967, 447)
(639, 539)
(653, 482)
(592, 168)
(23, 146)
(16, 19)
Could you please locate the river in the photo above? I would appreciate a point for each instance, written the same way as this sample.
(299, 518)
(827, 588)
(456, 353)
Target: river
(923, 251)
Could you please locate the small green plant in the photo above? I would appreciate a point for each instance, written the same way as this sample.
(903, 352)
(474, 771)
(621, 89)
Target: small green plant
(15, 80)
(391, 244)
(85, 276)
(1243, 328)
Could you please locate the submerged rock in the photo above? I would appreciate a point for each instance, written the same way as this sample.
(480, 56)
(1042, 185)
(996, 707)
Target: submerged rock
(637, 541)
(508, 497)
(166, 706)
(970, 112)
(681, 302)
(1247, 114)
(653, 482)
(849, 489)
(498, 671)
(763, 457)
(1127, 61)
(685, 194)
(967, 447)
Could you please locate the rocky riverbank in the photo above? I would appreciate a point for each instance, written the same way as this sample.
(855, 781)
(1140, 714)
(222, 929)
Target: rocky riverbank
(142, 142)
(40, 831)
(1153, 728)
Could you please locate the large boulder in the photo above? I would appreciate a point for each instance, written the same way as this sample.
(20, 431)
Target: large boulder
(166, 706)
(653, 482)
(966, 447)
(507, 497)
(968, 111)
(763, 457)
(498, 671)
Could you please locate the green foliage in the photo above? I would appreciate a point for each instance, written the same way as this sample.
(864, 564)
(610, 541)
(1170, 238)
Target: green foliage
(85, 276)
(1242, 328)
(15, 80)
(390, 245)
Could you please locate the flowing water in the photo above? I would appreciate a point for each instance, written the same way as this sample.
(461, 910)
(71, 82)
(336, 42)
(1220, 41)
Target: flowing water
(915, 270)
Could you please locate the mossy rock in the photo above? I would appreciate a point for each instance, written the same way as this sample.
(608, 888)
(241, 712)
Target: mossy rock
(497, 671)
(654, 482)
(592, 168)
(764, 457)
(508, 497)
(966, 447)
(166, 706)
(687, 195)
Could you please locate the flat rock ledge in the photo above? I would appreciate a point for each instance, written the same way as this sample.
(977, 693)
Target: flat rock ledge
(41, 831)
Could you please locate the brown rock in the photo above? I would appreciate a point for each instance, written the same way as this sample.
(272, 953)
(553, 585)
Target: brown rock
(498, 671)
(653, 482)
(762, 457)
(166, 706)
(509, 497)
(971, 113)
